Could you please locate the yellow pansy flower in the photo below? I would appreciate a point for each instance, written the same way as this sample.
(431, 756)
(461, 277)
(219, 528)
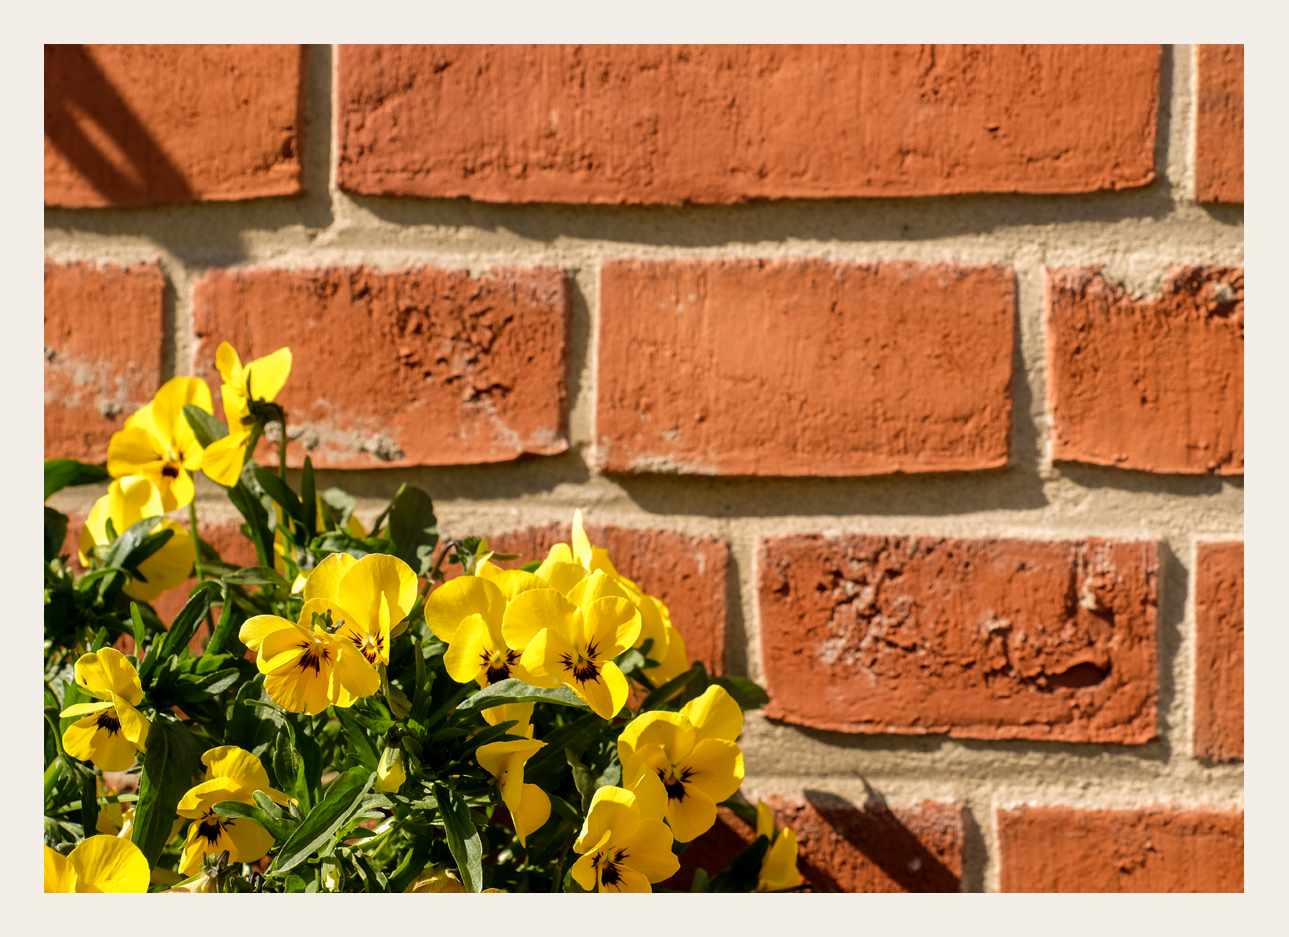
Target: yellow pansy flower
(572, 640)
(97, 864)
(128, 501)
(779, 864)
(693, 753)
(260, 380)
(117, 819)
(157, 442)
(367, 598)
(623, 846)
(113, 730)
(528, 804)
(566, 564)
(232, 773)
(389, 773)
(467, 614)
(306, 667)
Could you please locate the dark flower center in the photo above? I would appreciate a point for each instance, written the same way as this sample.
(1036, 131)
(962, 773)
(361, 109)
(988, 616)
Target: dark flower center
(211, 826)
(312, 658)
(675, 784)
(498, 664)
(585, 669)
(170, 471)
(370, 646)
(107, 720)
(610, 876)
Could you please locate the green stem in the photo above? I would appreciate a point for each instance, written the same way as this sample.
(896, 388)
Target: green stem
(196, 541)
(281, 450)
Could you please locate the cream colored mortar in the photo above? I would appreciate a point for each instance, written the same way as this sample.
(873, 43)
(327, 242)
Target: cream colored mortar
(1136, 235)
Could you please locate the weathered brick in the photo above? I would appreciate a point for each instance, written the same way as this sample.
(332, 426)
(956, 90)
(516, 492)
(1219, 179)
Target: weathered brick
(149, 124)
(1155, 849)
(803, 367)
(845, 848)
(989, 639)
(1150, 384)
(1219, 651)
(642, 124)
(412, 367)
(689, 574)
(1219, 124)
(103, 352)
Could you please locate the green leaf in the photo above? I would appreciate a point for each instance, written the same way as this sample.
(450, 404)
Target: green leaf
(140, 633)
(280, 492)
(747, 694)
(189, 619)
(362, 745)
(340, 501)
(742, 874)
(532, 567)
(701, 881)
(172, 761)
(254, 727)
(308, 501)
(669, 689)
(413, 528)
(463, 837)
(128, 542)
(371, 876)
(413, 864)
(279, 829)
(89, 801)
(288, 767)
(257, 518)
(146, 548)
(514, 690)
(545, 768)
(67, 473)
(343, 795)
(223, 633)
(205, 427)
(256, 576)
(55, 532)
(192, 688)
(629, 660)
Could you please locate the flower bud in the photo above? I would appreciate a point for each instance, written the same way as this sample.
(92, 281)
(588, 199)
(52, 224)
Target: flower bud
(389, 773)
(434, 880)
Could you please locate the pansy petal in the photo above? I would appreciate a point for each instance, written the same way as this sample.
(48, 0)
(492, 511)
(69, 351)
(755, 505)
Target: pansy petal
(325, 578)
(228, 363)
(122, 678)
(653, 627)
(267, 375)
(290, 692)
(651, 796)
(180, 491)
(581, 544)
(84, 709)
(169, 402)
(675, 663)
(60, 874)
(779, 866)
(512, 582)
(611, 625)
(132, 451)
(593, 587)
(531, 612)
(91, 676)
(112, 751)
(78, 738)
(454, 601)
(534, 810)
(562, 577)
(692, 815)
(609, 701)
(649, 851)
(251, 841)
(547, 650)
(714, 715)
(255, 630)
(467, 655)
(222, 459)
(377, 581)
(238, 765)
(198, 799)
(507, 712)
(715, 767)
(166, 569)
(627, 881)
(583, 872)
(672, 731)
(613, 811)
(109, 864)
(352, 673)
(134, 725)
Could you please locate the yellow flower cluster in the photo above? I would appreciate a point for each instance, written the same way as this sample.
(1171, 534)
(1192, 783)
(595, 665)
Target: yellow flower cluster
(153, 457)
(562, 625)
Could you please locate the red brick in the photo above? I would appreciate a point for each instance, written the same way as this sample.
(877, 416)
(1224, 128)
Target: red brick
(414, 367)
(1156, 849)
(103, 352)
(1219, 651)
(846, 848)
(804, 367)
(988, 639)
(1219, 124)
(689, 574)
(150, 124)
(1152, 384)
(641, 124)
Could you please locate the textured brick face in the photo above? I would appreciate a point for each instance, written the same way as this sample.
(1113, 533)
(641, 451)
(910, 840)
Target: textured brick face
(414, 367)
(1059, 849)
(680, 124)
(149, 124)
(1219, 651)
(1219, 124)
(689, 574)
(988, 639)
(845, 848)
(803, 367)
(1155, 384)
(103, 351)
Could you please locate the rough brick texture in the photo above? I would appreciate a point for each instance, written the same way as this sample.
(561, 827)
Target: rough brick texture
(103, 352)
(148, 124)
(803, 367)
(689, 574)
(1150, 384)
(1219, 651)
(1059, 849)
(986, 639)
(413, 367)
(846, 848)
(678, 124)
(1219, 124)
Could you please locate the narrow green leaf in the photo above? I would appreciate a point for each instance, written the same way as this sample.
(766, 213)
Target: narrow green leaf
(67, 473)
(340, 501)
(205, 427)
(280, 492)
(89, 801)
(128, 541)
(139, 631)
(413, 528)
(747, 694)
(280, 830)
(256, 576)
(669, 689)
(308, 501)
(288, 767)
(223, 633)
(462, 836)
(199, 689)
(342, 796)
(189, 619)
(55, 532)
(172, 761)
(362, 745)
(514, 690)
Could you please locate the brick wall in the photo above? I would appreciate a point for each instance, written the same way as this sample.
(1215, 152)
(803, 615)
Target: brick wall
(910, 377)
